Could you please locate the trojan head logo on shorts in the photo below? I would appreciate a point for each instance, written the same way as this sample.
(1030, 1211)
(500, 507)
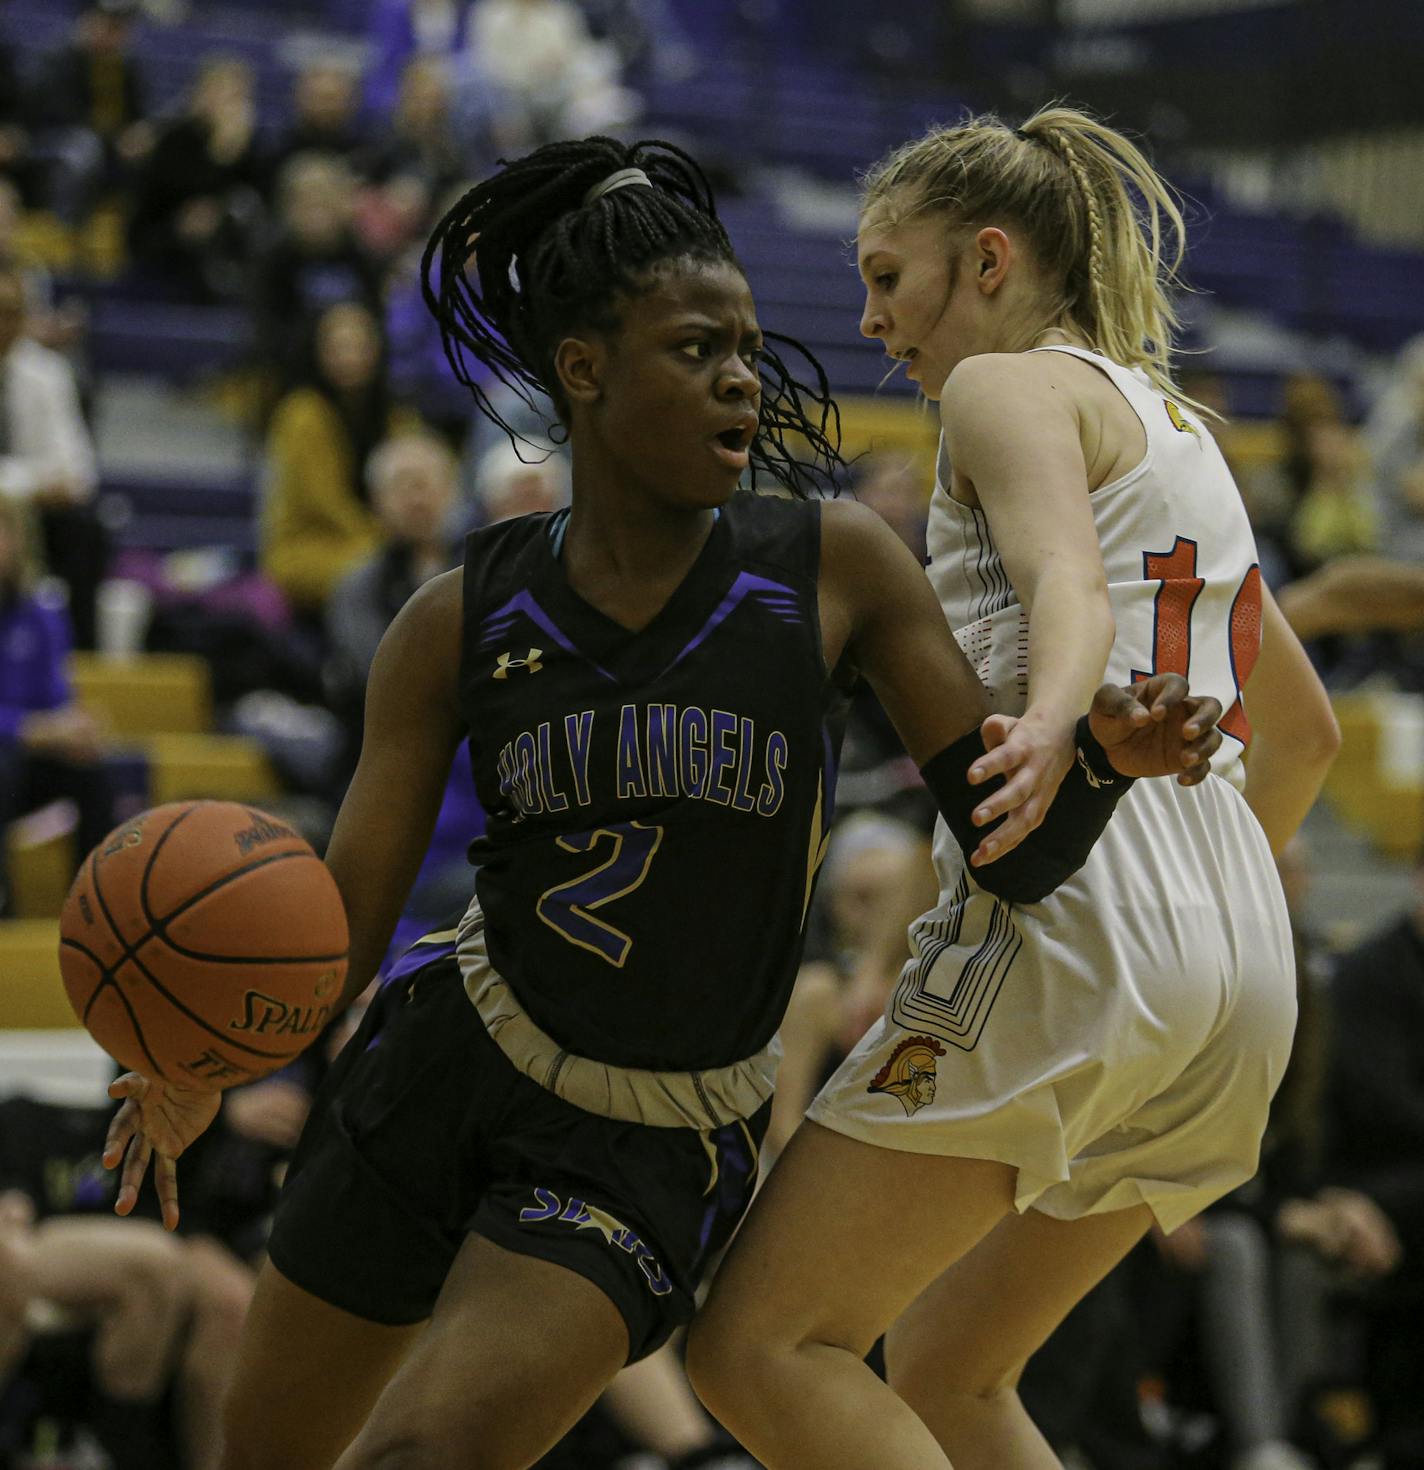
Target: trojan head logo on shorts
(507, 661)
(910, 1073)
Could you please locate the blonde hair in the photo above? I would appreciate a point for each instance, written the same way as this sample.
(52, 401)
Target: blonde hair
(1097, 215)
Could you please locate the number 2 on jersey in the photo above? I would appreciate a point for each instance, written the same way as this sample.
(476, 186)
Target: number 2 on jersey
(568, 908)
(1172, 624)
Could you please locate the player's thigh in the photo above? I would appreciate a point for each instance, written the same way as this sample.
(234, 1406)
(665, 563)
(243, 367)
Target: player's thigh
(841, 1239)
(307, 1374)
(972, 1330)
(516, 1353)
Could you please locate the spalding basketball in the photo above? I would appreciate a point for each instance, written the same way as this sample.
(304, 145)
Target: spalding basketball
(203, 942)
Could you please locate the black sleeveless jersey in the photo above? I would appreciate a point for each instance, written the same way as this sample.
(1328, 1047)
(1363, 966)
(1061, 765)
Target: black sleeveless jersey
(658, 801)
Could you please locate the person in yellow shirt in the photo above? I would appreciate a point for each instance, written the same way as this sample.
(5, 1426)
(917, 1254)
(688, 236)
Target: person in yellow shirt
(317, 523)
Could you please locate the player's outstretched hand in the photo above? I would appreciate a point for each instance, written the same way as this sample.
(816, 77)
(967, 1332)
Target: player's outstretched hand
(1033, 759)
(155, 1122)
(1157, 727)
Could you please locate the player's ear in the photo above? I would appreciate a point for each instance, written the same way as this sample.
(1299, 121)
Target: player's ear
(579, 362)
(992, 251)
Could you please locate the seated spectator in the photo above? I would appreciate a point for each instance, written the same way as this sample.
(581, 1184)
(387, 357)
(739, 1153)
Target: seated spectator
(872, 863)
(1376, 1111)
(325, 102)
(507, 486)
(1394, 435)
(893, 486)
(402, 30)
(90, 109)
(50, 746)
(198, 200)
(317, 522)
(413, 492)
(555, 79)
(17, 165)
(46, 456)
(315, 262)
(153, 1315)
(1334, 515)
(51, 324)
(417, 164)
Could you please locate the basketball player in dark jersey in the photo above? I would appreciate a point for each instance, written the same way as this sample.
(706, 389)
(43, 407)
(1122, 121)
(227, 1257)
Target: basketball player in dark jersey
(549, 1119)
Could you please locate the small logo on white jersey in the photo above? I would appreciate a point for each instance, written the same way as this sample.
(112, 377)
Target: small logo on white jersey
(507, 661)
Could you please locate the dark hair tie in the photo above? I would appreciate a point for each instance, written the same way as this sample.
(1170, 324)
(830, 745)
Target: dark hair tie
(1023, 136)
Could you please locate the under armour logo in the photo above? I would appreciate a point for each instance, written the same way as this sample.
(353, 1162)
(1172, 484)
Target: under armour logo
(530, 661)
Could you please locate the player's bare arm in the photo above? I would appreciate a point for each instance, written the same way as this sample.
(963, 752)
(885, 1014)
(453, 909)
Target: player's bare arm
(878, 609)
(1012, 431)
(381, 835)
(411, 734)
(1294, 735)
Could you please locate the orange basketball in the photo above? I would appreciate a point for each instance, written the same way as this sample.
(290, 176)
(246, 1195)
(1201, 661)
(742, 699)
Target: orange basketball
(203, 942)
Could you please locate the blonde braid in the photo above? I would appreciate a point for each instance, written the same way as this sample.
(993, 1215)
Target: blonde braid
(1059, 142)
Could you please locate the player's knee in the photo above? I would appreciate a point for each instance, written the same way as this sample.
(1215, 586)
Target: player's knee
(920, 1365)
(722, 1363)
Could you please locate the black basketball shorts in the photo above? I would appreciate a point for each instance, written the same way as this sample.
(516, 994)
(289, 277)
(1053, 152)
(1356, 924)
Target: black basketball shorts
(423, 1133)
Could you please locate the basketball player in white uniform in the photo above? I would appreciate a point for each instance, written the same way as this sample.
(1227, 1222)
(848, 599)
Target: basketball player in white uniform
(1048, 1078)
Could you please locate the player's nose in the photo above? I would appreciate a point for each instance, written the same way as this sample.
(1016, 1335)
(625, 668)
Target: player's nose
(873, 321)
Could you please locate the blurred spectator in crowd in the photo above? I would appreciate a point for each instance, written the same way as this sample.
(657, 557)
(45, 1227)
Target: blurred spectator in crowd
(412, 481)
(317, 522)
(1376, 1096)
(645, 34)
(1394, 436)
(400, 30)
(1334, 515)
(315, 262)
(872, 863)
(50, 747)
(90, 109)
(17, 165)
(555, 79)
(61, 327)
(1273, 497)
(198, 202)
(146, 1313)
(893, 486)
(507, 486)
(46, 456)
(325, 105)
(1265, 1261)
(418, 163)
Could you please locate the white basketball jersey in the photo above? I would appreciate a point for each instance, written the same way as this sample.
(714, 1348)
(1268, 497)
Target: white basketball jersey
(1181, 568)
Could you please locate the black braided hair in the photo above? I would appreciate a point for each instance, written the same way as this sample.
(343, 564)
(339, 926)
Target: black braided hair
(545, 265)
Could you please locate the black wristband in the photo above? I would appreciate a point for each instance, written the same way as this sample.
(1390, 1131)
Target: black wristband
(1058, 846)
(1099, 769)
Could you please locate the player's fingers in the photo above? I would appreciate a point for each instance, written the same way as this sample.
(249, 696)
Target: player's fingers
(1202, 713)
(1197, 757)
(999, 761)
(1113, 702)
(165, 1179)
(1013, 793)
(1165, 692)
(131, 1180)
(121, 1129)
(1004, 839)
(996, 729)
(129, 1084)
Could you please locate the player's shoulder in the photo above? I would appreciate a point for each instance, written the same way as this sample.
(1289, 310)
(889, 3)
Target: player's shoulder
(995, 385)
(856, 543)
(432, 613)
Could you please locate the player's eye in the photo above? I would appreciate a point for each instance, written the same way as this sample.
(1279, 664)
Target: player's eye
(886, 280)
(698, 351)
(753, 356)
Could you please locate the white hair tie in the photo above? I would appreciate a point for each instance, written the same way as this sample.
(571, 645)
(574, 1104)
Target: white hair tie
(620, 180)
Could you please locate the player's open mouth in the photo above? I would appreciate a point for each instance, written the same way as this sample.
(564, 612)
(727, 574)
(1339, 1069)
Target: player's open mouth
(731, 445)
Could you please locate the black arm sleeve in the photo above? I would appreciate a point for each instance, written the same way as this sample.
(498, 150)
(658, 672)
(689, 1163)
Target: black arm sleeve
(1059, 845)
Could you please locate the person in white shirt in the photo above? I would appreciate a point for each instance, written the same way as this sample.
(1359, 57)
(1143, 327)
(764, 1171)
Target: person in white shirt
(47, 456)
